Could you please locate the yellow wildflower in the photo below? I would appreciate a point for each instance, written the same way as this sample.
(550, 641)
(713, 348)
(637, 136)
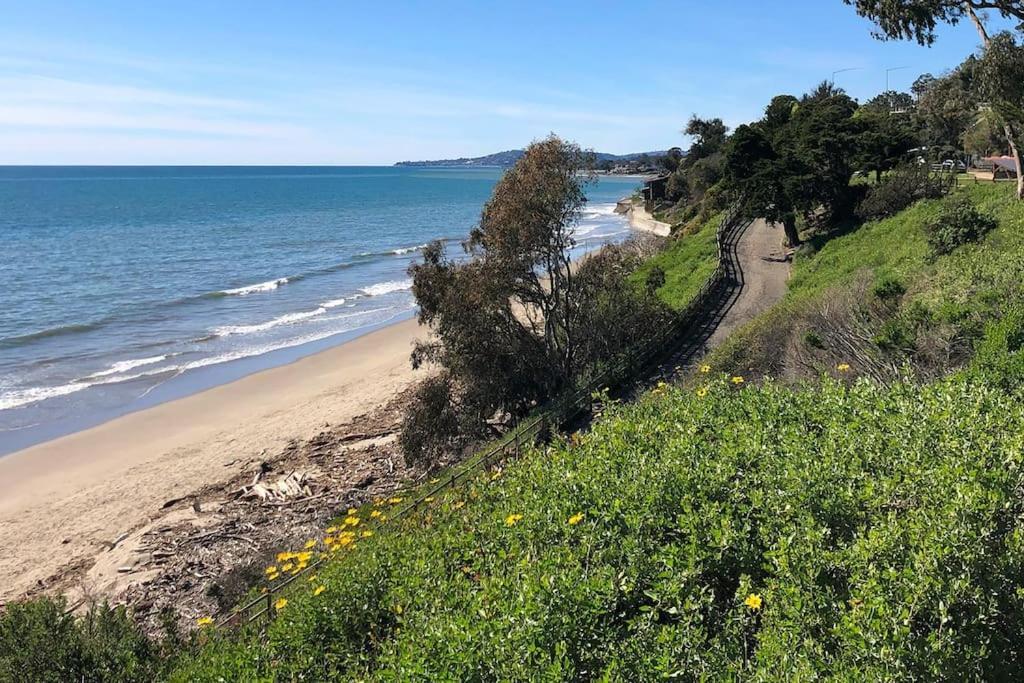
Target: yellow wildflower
(576, 519)
(737, 380)
(351, 521)
(310, 544)
(352, 511)
(312, 578)
(344, 541)
(702, 392)
(458, 505)
(287, 567)
(428, 499)
(705, 369)
(332, 529)
(280, 604)
(273, 577)
(395, 501)
(366, 534)
(512, 520)
(383, 518)
(375, 514)
(435, 480)
(203, 622)
(272, 569)
(398, 609)
(753, 601)
(318, 590)
(281, 557)
(843, 367)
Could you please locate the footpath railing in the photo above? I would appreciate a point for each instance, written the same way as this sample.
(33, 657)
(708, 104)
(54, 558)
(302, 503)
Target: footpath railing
(558, 412)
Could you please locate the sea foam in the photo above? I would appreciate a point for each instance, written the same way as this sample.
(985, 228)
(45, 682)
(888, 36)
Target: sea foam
(387, 287)
(268, 286)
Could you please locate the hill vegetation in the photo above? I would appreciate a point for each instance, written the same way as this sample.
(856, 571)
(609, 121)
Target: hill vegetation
(836, 493)
(508, 159)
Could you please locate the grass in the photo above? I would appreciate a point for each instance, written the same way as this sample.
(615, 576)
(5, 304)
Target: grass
(688, 261)
(964, 288)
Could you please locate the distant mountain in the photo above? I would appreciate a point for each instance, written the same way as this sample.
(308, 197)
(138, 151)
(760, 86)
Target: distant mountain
(508, 158)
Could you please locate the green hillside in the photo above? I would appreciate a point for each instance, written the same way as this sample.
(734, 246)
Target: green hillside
(724, 529)
(915, 313)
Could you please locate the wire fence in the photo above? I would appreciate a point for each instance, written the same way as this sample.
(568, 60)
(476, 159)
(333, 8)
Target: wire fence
(560, 411)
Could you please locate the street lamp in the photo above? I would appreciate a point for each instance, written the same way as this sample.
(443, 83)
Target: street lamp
(888, 71)
(842, 71)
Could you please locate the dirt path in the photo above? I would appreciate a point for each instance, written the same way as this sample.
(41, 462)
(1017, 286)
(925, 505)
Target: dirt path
(765, 270)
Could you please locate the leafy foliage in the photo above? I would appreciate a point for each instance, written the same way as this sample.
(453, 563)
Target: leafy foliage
(40, 641)
(760, 533)
(905, 186)
(958, 223)
(518, 322)
(917, 19)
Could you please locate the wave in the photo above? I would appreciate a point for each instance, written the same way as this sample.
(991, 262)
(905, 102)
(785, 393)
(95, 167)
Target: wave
(268, 286)
(596, 210)
(22, 397)
(287, 319)
(126, 365)
(408, 250)
(51, 332)
(387, 287)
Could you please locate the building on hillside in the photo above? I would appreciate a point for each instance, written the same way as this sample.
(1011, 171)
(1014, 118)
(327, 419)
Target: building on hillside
(654, 191)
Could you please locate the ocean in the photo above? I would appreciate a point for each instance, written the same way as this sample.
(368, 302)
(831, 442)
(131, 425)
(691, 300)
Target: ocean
(123, 287)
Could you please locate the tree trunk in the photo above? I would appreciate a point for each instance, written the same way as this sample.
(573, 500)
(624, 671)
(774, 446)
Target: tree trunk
(792, 234)
(1015, 153)
(1007, 128)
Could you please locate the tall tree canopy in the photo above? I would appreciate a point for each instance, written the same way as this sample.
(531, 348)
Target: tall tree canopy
(798, 159)
(516, 322)
(918, 19)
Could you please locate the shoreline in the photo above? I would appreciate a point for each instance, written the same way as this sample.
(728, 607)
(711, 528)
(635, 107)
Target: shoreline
(67, 501)
(640, 219)
(72, 497)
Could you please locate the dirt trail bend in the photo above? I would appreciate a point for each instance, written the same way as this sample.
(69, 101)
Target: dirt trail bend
(765, 270)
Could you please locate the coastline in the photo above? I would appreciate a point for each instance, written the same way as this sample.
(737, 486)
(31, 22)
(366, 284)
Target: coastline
(72, 497)
(641, 219)
(66, 502)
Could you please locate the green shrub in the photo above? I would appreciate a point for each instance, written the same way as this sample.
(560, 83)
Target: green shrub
(905, 186)
(855, 531)
(41, 642)
(888, 288)
(959, 223)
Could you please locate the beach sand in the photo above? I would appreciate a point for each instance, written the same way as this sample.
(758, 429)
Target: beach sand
(67, 500)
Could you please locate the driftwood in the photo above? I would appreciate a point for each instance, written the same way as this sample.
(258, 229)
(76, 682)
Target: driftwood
(292, 485)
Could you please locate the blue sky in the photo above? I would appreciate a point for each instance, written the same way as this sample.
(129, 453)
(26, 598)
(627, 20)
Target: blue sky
(111, 82)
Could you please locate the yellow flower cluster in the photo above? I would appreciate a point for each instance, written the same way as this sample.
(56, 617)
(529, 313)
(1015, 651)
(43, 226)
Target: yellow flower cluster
(512, 520)
(753, 601)
(576, 519)
(843, 367)
(202, 622)
(737, 380)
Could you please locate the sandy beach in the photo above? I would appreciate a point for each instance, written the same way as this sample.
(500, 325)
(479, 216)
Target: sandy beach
(640, 219)
(67, 500)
